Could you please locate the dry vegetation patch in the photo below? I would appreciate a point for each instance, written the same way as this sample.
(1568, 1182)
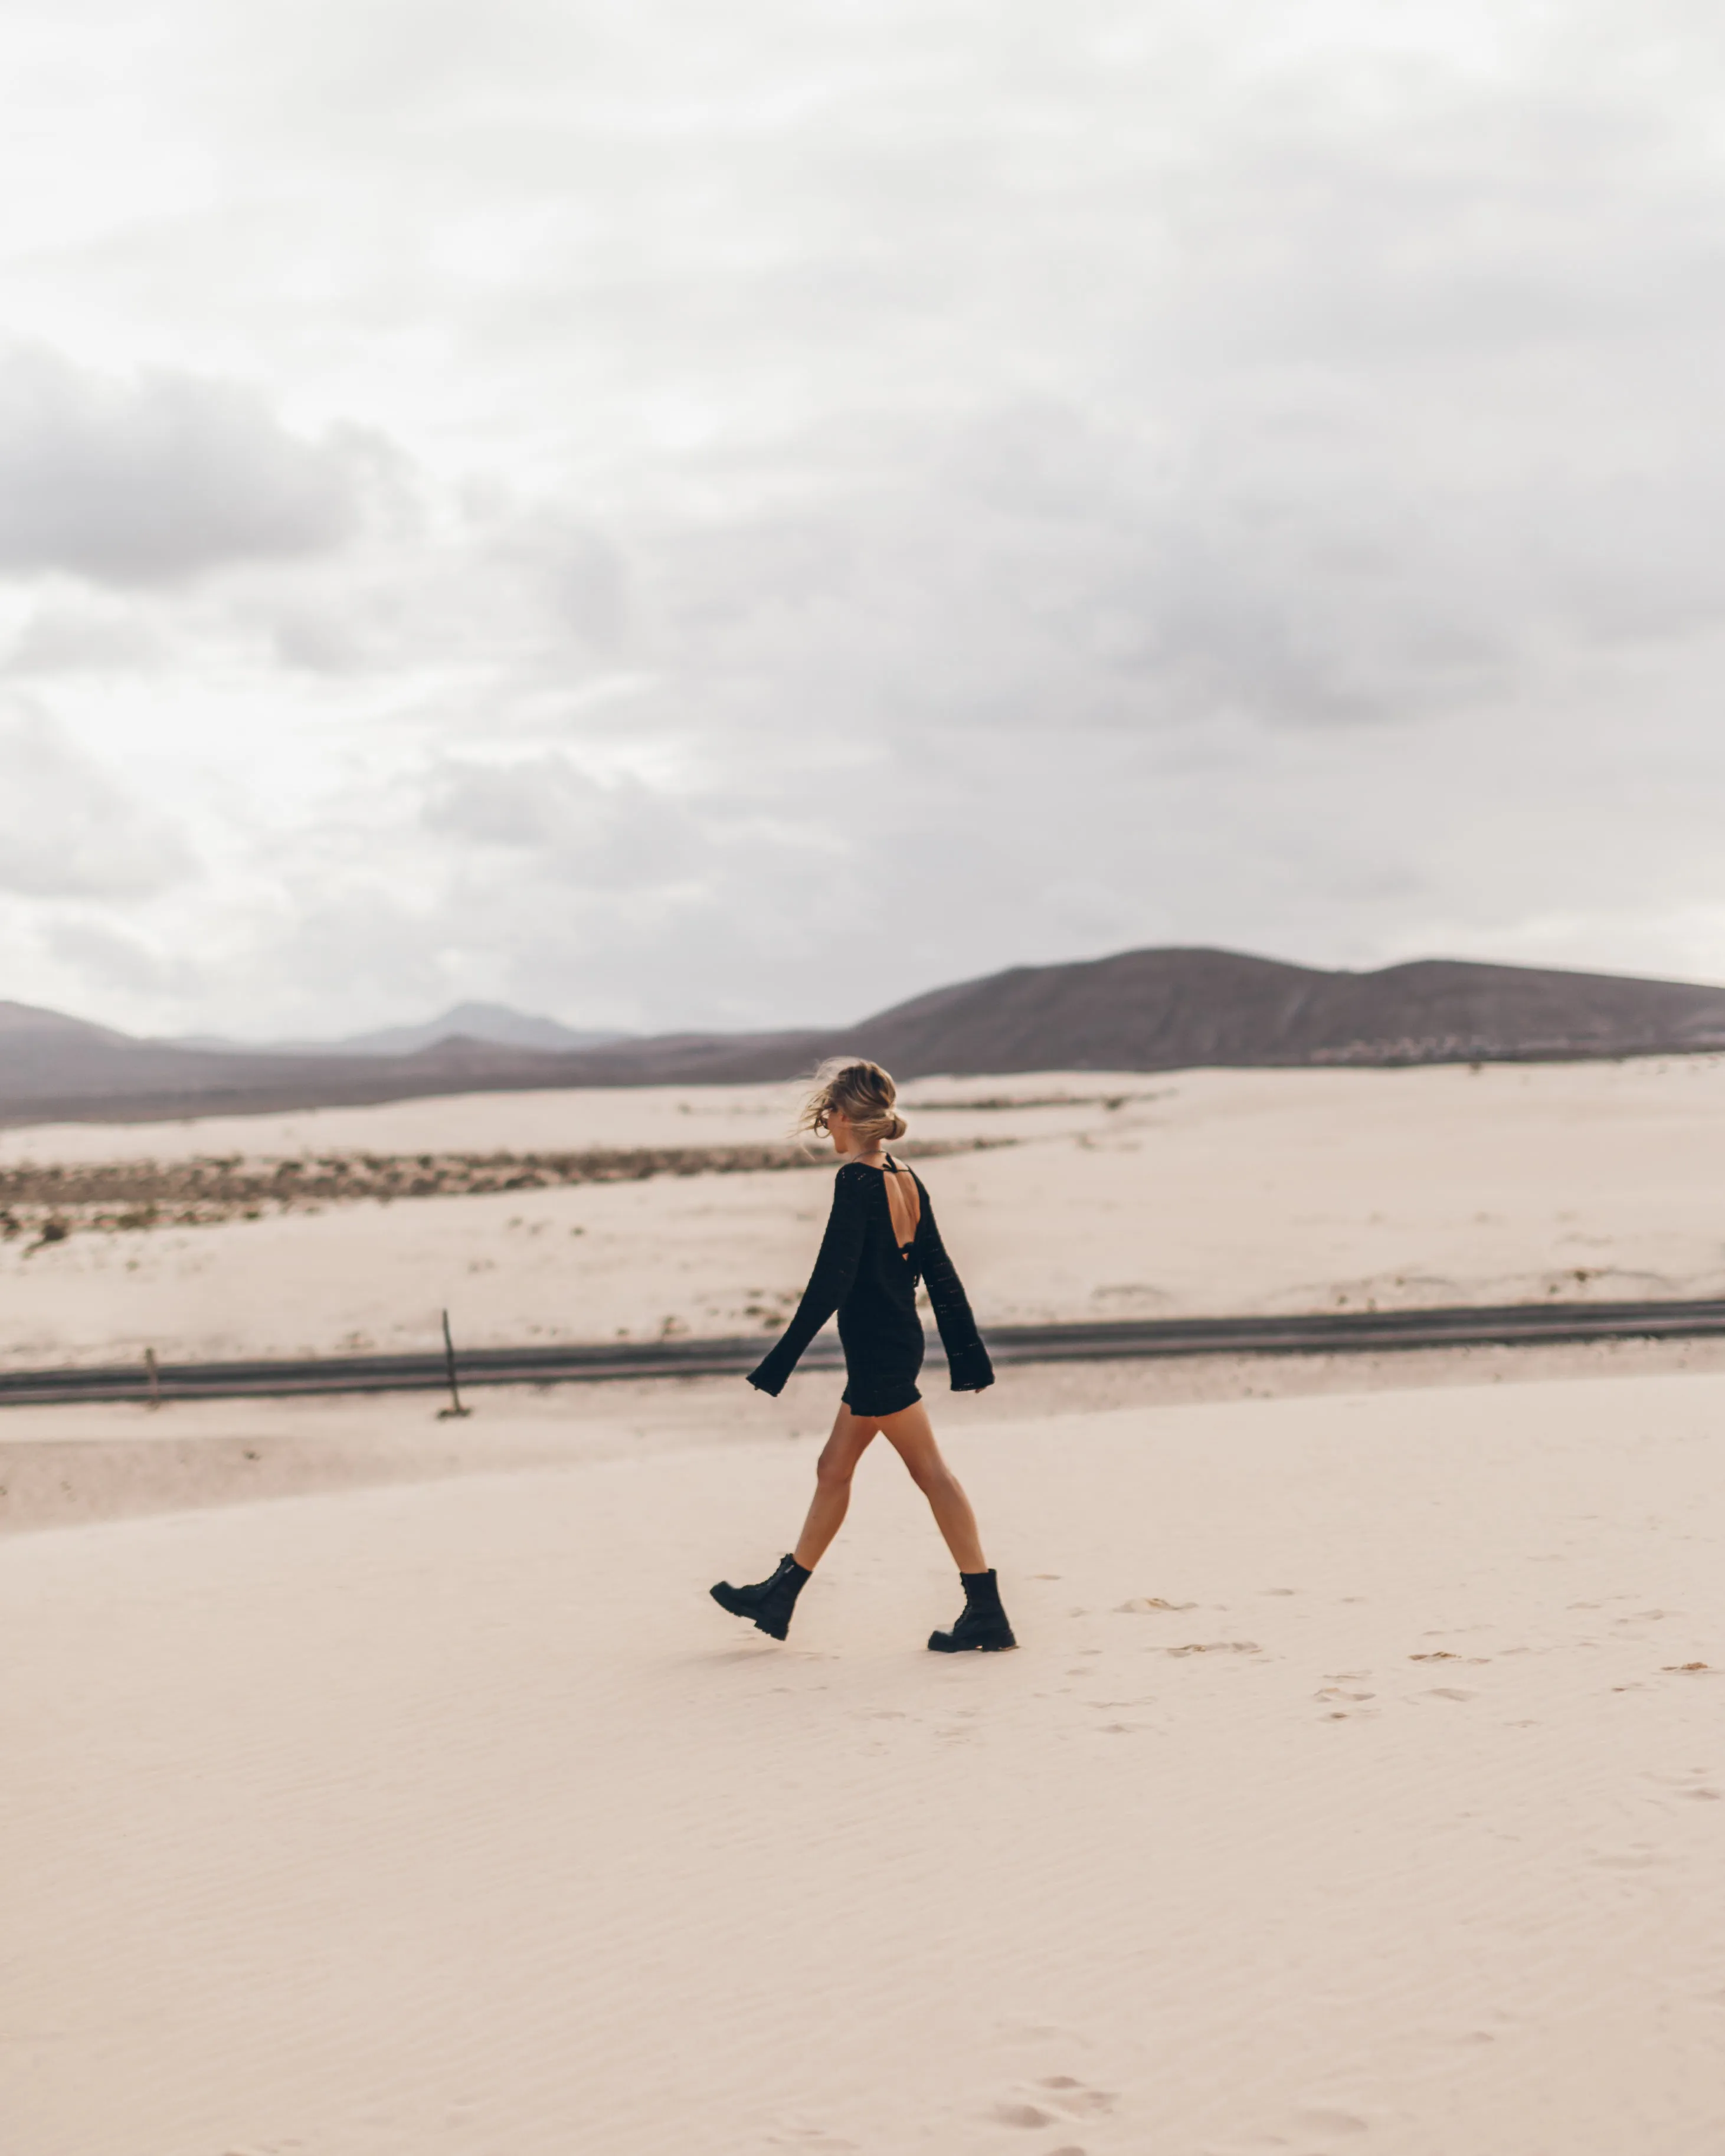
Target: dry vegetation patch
(49, 1201)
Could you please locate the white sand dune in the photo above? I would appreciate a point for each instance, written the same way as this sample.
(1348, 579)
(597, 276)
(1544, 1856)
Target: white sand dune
(1202, 1192)
(453, 1816)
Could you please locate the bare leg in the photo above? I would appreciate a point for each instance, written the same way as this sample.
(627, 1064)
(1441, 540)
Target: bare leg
(852, 1436)
(911, 1436)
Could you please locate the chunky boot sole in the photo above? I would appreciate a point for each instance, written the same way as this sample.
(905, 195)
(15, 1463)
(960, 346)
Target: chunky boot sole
(775, 1623)
(980, 1640)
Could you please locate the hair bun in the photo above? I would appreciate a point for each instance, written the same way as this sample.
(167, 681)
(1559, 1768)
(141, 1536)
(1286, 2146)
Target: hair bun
(860, 1091)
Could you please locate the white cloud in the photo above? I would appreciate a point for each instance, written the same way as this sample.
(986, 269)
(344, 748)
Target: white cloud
(891, 494)
(69, 831)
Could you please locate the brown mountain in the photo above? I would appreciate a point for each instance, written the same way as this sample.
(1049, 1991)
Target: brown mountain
(1140, 1010)
(1155, 1010)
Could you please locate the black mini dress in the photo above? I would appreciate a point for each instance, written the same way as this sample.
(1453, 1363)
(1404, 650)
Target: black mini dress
(868, 1276)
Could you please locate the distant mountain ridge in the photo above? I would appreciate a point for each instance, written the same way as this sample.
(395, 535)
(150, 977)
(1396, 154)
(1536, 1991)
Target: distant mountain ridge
(469, 1021)
(1137, 1010)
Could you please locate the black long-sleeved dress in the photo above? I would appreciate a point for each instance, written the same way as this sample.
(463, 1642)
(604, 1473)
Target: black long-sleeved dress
(869, 1278)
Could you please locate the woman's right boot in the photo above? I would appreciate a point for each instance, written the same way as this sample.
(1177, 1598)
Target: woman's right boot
(982, 1626)
(769, 1603)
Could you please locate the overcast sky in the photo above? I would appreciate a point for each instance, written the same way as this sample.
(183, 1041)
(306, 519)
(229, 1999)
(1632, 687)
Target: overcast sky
(671, 514)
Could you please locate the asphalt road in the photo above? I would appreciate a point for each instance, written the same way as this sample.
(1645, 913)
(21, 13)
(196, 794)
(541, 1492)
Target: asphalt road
(1331, 1332)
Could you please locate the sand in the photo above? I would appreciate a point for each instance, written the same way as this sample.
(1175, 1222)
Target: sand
(65, 1466)
(376, 1786)
(1203, 1193)
(451, 1815)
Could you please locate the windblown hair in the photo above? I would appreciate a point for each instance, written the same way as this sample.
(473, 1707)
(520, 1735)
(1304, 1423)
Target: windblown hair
(863, 1091)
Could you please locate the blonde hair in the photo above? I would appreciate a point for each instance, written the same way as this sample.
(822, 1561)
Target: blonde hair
(862, 1091)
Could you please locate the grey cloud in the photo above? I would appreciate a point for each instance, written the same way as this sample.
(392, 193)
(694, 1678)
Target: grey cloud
(1309, 564)
(68, 830)
(481, 579)
(581, 575)
(154, 479)
(118, 963)
(85, 639)
(1176, 473)
(1039, 569)
(319, 637)
(618, 834)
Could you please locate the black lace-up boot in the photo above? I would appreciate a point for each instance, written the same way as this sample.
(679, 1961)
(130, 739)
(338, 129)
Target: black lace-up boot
(768, 1605)
(982, 1626)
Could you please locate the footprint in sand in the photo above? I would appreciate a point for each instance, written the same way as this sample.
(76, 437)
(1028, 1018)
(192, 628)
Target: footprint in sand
(1021, 2114)
(1451, 1691)
(1320, 2119)
(1066, 2094)
(1217, 1647)
(1144, 1604)
(1691, 1782)
(1076, 2099)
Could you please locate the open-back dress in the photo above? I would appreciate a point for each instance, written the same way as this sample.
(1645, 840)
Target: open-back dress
(881, 1240)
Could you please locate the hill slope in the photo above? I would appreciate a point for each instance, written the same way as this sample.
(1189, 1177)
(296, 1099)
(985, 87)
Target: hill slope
(1139, 1010)
(1147, 1010)
(1172, 1010)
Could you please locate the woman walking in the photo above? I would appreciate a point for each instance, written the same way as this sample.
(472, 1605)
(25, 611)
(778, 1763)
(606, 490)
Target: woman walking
(881, 1240)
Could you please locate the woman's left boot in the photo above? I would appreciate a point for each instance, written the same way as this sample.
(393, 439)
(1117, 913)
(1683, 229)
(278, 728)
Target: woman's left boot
(982, 1626)
(769, 1603)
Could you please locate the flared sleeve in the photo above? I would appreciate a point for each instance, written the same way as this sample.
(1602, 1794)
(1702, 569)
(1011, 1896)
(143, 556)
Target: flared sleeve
(836, 1269)
(966, 1357)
